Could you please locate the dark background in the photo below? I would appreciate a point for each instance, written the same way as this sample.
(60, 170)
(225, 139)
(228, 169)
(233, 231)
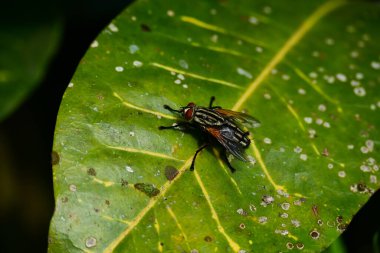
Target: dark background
(26, 136)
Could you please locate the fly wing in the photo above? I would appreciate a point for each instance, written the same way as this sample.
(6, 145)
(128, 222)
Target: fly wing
(225, 136)
(242, 117)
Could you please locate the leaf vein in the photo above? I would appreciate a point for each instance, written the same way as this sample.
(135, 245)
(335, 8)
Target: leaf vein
(289, 44)
(235, 247)
(197, 76)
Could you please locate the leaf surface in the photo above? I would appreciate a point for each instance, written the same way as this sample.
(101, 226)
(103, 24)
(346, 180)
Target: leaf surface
(310, 76)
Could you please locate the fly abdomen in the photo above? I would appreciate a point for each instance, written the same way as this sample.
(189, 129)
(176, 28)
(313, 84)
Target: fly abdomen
(234, 134)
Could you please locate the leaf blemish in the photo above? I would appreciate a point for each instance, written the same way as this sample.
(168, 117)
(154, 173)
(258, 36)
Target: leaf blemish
(315, 210)
(330, 224)
(129, 169)
(267, 200)
(282, 231)
(148, 189)
(133, 48)
(263, 219)
(54, 158)
(361, 188)
(289, 245)
(342, 173)
(137, 64)
(300, 245)
(124, 182)
(341, 227)
(91, 172)
(241, 211)
(145, 28)
(170, 172)
(73, 188)
(285, 206)
(298, 202)
(252, 208)
(119, 69)
(296, 223)
(91, 242)
(64, 199)
(208, 238)
(314, 234)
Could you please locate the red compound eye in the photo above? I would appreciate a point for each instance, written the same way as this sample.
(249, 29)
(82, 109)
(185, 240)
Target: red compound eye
(188, 113)
(191, 104)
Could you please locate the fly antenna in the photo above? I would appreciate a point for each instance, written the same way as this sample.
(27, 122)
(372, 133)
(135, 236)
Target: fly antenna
(171, 109)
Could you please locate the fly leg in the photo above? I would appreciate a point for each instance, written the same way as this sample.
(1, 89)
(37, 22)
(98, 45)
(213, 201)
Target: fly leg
(171, 109)
(195, 156)
(175, 126)
(228, 162)
(212, 99)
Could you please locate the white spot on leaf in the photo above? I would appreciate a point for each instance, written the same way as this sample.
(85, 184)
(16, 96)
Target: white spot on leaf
(303, 157)
(137, 64)
(183, 64)
(95, 43)
(129, 169)
(244, 73)
(119, 69)
(375, 65)
(341, 77)
(170, 13)
(133, 49)
(113, 27)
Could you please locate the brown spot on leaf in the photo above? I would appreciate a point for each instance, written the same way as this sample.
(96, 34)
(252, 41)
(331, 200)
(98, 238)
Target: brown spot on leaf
(145, 28)
(314, 208)
(170, 172)
(314, 234)
(289, 245)
(107, 202)
(208, 238)
(124, 182)
(362, 187)
(342, 227)
(300, 245)
(91, 172)
(54, 158)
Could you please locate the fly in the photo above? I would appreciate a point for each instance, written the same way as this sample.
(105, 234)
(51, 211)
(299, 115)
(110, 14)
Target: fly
(220, 124)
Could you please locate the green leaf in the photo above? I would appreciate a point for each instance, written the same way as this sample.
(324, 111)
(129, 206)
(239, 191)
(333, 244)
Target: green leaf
(25, 52)
(311, 76)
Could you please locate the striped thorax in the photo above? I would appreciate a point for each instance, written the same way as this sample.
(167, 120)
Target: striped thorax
(206, 118)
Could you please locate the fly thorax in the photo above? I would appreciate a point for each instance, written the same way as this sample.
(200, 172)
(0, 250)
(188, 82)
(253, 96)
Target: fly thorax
(204, 116)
